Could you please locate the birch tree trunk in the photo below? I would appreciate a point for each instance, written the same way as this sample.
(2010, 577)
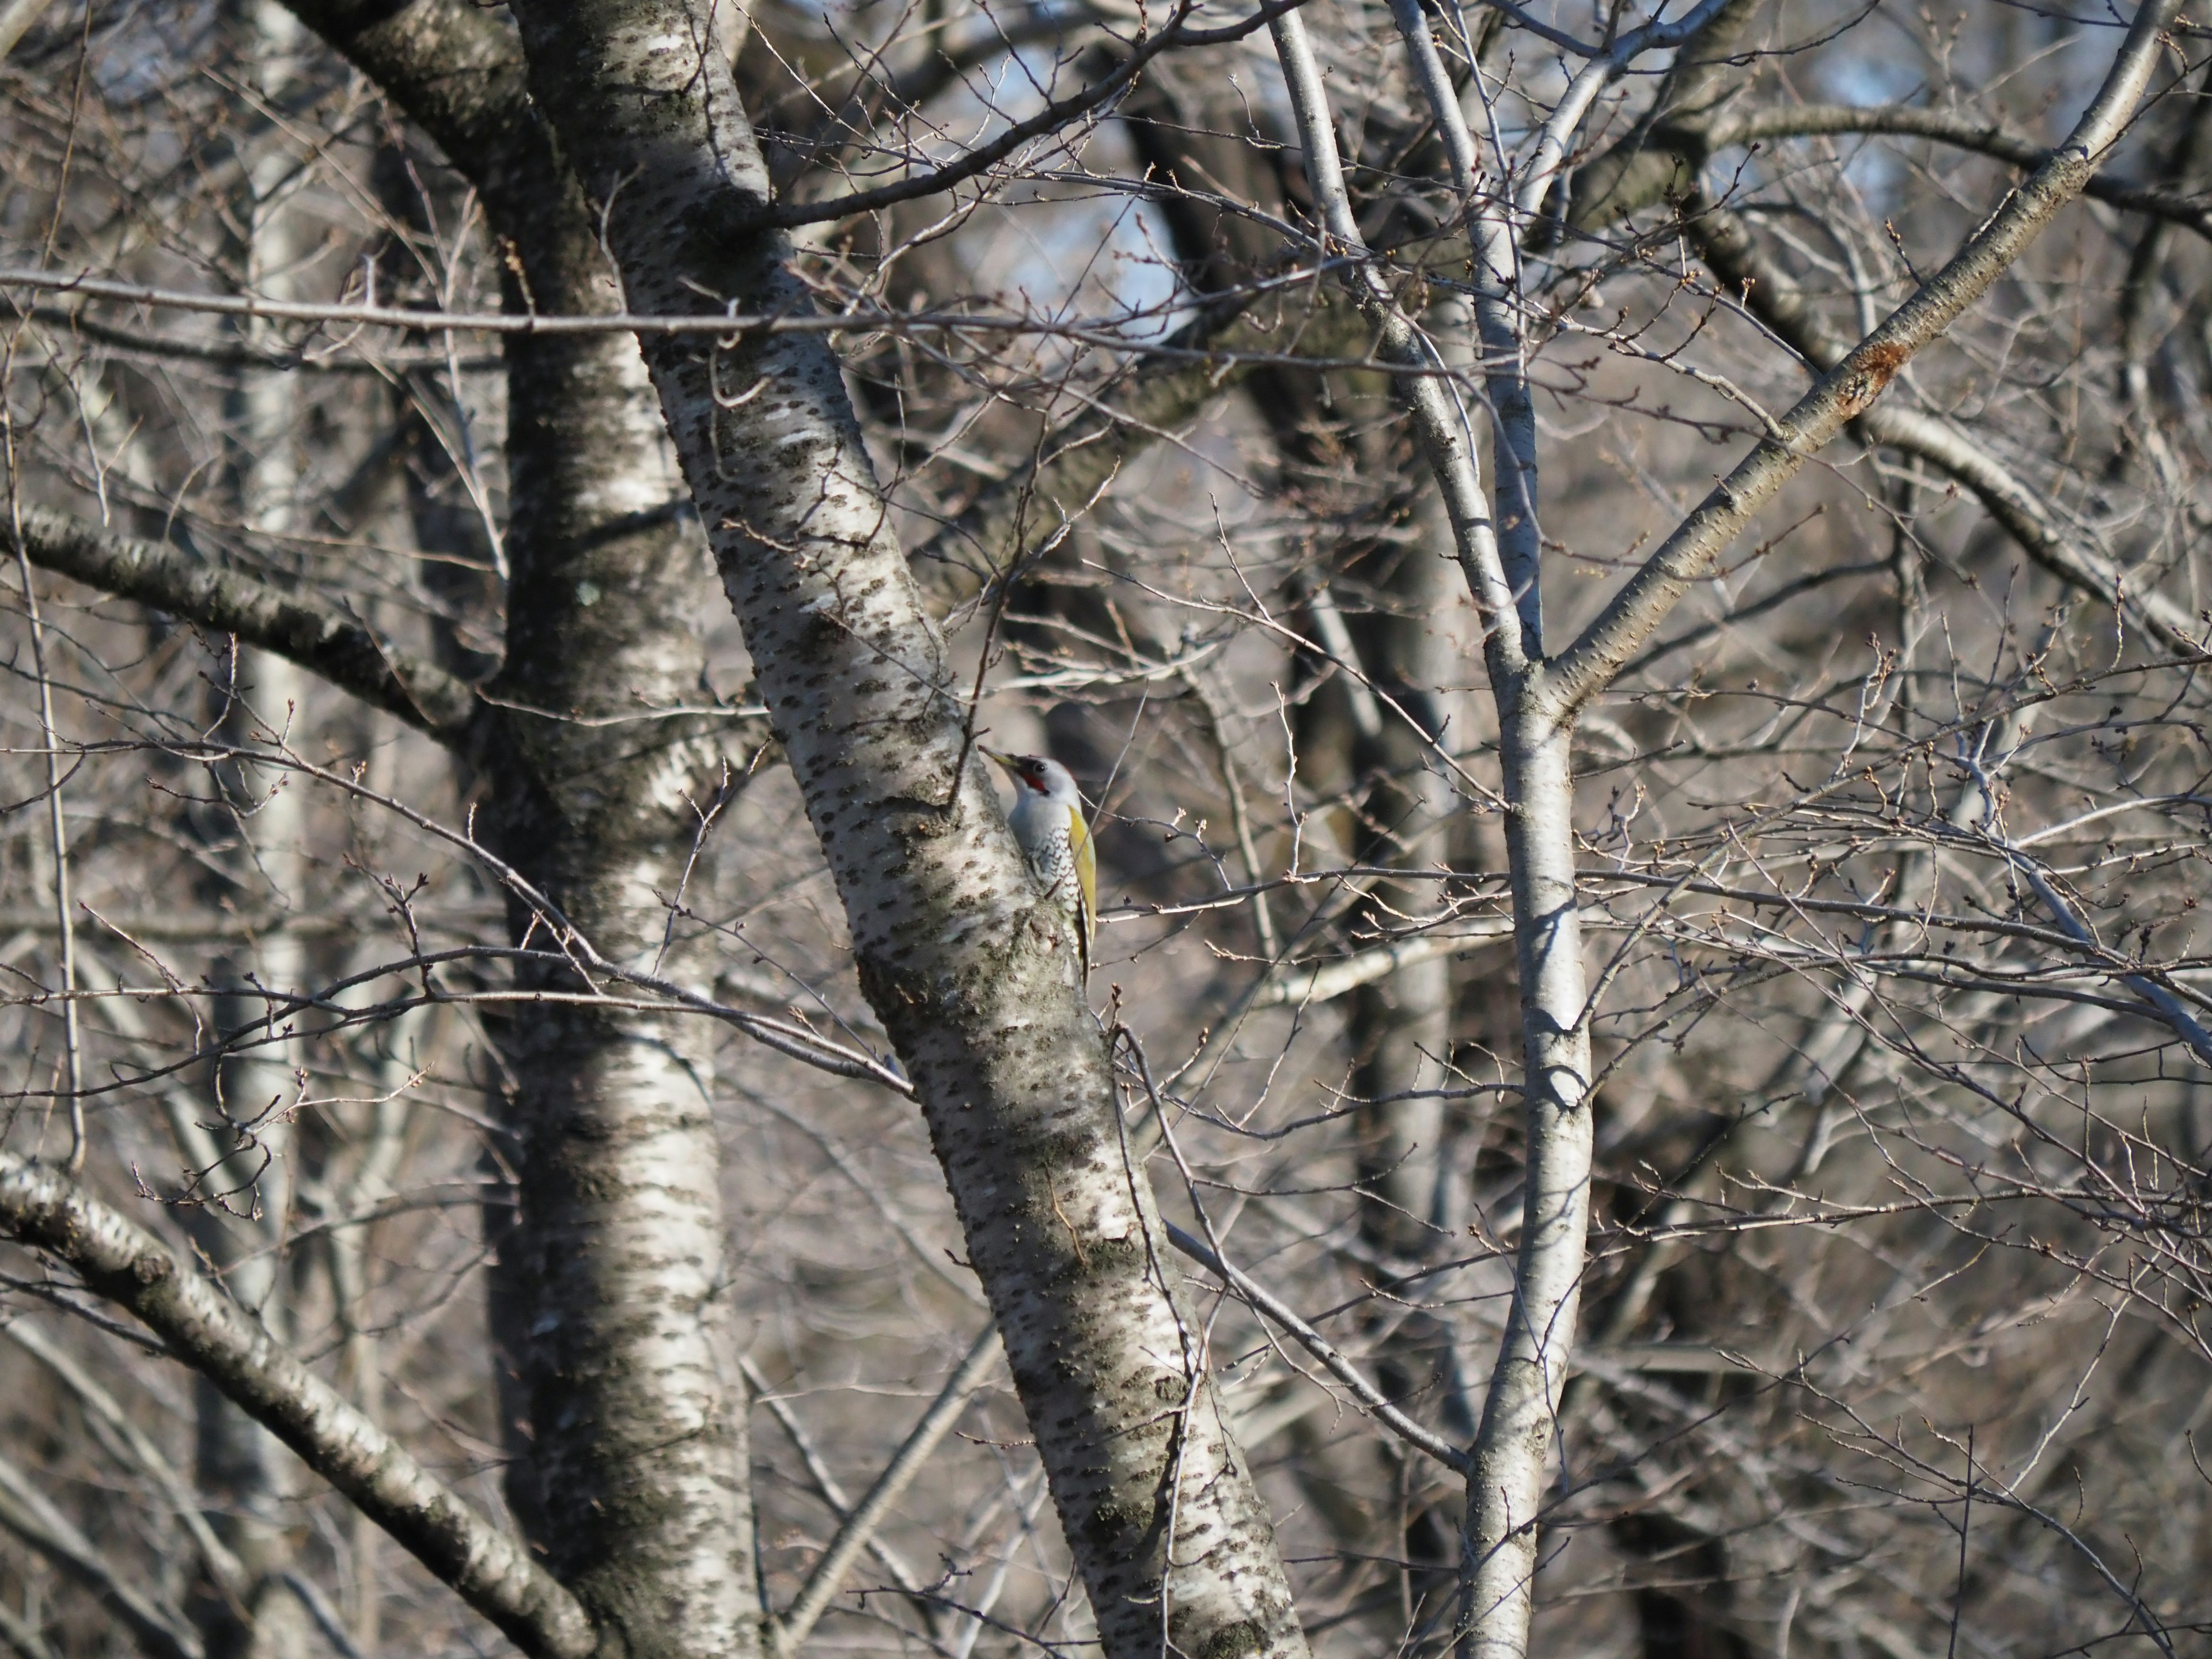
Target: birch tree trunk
(637, 1411)
(250, 1168)
(632, 1467)
(971, 968)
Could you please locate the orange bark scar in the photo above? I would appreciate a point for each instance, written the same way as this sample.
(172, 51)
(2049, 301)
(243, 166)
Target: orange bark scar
(1880, 364)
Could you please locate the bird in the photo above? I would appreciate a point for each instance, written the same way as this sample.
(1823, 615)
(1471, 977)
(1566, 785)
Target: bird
(1048, 821)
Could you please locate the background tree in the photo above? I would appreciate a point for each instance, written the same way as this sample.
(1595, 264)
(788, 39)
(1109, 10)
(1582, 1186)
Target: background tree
(1663, 1015)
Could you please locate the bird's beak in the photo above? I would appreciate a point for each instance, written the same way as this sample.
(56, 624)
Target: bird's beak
(1005, 760)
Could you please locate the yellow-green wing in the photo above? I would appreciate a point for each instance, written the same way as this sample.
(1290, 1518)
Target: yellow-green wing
(1086, 879)
(1086, 859)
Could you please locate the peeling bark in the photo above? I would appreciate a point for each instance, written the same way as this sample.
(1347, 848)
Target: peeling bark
(970, 968)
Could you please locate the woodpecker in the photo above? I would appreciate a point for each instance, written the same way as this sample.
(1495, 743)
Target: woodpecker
(1048, 821)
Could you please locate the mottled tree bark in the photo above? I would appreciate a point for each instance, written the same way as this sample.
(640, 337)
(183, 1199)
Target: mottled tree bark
(971, 968)
(631, 1465)
(637, 1423)
(633, 1476)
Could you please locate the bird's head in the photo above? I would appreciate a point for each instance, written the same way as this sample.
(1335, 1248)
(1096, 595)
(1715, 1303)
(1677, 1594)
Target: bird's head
(1039, 775)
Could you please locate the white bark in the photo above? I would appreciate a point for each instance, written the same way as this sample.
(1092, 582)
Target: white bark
(1495, 264)
(16, 19)
(627, 1415)
(971, 970)
(1513, 1443)
(1512, 1447)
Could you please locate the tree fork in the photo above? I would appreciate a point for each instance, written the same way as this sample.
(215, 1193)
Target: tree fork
(971, 970)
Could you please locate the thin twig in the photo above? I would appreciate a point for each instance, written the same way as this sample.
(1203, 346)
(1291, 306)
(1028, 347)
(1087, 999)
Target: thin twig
(789, 1632)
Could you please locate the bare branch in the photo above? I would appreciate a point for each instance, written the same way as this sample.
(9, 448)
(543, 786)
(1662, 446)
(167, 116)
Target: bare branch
(1300, 987)
(1370, 1398)
(1053, 118)
(1728, 246)
(320, 638)
(120, 1260)
(29, 1513)
(16, 20)
(1442, 423)
(222, 1565)
(1950, 127)
(17, 1632)
(1848, 390)
(2163, 1005)
(789, 1632)
(827, 1487)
